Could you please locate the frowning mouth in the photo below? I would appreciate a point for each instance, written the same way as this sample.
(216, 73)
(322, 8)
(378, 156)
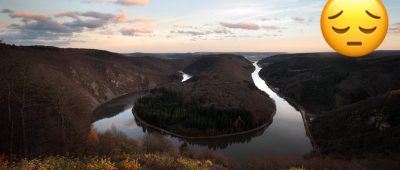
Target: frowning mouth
(354, 43)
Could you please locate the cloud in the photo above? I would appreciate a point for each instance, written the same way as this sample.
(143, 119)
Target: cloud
(90, 23)
(7, 11)
(142, 20)
(37, 27)
(194, 32)
(121, 18)
(67, 14)
(132, 2)
(141, 25)
(271, 28)
(191, 32)
(241, 25)
(29, 16)
(122, 2)
(90, 14)
(136, 31)
(298, 19)
(92, 19)
(395, 28)
(203, 32)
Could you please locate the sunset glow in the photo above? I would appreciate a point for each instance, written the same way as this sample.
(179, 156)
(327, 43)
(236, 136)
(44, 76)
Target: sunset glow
(175, 25)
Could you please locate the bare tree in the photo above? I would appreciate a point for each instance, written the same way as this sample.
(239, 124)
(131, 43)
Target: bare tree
(10, 85)
(61, 106)
(10, 117)
(22, 112)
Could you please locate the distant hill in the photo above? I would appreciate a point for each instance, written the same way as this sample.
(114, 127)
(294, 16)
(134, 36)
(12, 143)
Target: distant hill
(355, 103)
(48, 94)
(190, 56)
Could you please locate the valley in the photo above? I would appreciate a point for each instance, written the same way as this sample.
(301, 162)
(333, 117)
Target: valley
(316, 108)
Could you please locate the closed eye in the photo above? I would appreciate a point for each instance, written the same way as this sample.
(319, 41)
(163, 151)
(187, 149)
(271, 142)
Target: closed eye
(366, 30)
(341, 31)
(336, 15)
(372, 15)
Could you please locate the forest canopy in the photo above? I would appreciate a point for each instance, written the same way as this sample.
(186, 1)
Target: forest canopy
(169, 110)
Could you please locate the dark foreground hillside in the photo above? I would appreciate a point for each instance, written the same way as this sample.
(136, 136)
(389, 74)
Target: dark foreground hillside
(219, 99)
(354, 103)
(47, 94)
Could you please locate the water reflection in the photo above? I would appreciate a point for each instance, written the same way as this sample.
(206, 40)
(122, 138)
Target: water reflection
(285, 136)
(223, 143)
(123, 122)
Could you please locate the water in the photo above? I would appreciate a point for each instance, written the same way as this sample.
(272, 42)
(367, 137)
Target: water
(185, 77)
(285, 136)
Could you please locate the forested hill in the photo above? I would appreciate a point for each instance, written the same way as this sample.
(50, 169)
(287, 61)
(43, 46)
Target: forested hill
(220, 98)
(47, 94)
(355, 102)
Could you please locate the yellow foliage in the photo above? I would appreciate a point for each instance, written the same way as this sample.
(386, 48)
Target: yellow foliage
(102, 164)
(209, 163)
(92, 136)
(129, 164)
(3, 163)
(297, 168)
(28, 165)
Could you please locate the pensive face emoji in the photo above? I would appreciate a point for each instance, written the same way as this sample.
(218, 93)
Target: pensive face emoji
(354, 28)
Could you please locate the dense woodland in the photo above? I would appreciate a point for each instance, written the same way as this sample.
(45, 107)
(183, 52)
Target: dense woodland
(355, 103)
(37, 118)
(167, 109)
(48, 94)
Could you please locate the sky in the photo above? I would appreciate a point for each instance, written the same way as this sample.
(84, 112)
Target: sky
(175, 25)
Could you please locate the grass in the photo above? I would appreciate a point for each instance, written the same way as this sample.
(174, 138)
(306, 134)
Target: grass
(132, 162)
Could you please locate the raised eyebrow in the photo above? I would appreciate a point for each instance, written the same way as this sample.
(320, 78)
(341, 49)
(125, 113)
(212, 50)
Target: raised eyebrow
(372, 15)
(335, 16)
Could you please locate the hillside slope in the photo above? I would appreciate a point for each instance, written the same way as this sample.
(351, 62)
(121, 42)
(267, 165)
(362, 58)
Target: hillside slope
(48, 94)
(354, 102)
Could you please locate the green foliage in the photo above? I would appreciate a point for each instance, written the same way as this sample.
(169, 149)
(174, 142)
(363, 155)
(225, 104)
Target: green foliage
(167, 109)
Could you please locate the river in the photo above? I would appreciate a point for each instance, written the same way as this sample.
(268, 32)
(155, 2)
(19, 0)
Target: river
(285, 136)
(185, 77)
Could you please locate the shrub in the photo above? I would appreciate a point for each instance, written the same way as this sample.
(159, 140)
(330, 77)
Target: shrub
(217, 158)
(3, 162)
(112, 144)
(100, 164)
(157, 143)
(130, 164)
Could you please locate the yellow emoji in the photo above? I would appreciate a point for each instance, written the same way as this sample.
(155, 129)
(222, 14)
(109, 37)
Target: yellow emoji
(354, 28)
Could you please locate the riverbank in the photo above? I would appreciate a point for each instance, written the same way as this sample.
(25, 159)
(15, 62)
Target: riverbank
(163, 131)
(304, 113)
(353, 102)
